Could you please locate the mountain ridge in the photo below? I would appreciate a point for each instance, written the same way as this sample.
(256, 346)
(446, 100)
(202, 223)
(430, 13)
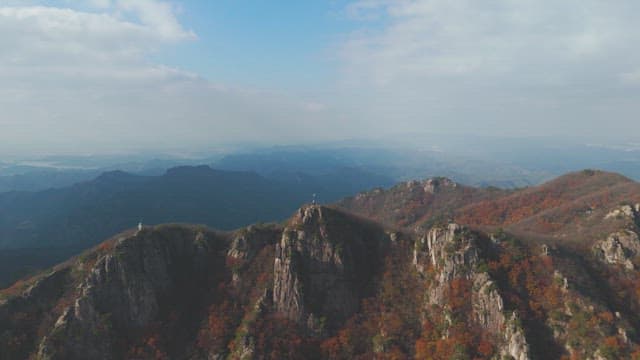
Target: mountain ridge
(79, 216)
(328, 284)
(578, 199)
(332, 284)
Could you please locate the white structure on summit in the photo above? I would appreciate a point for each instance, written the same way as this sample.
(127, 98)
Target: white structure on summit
(140, 226)
(313, 202)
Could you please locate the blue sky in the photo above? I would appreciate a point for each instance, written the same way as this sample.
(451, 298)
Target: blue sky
(281, 44)
(107, 75)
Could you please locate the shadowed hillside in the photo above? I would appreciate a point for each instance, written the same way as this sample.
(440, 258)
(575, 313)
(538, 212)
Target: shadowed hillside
(77, 217)
(329, 285)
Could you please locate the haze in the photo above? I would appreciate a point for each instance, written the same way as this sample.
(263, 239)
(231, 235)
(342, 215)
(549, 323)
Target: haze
(117, 75)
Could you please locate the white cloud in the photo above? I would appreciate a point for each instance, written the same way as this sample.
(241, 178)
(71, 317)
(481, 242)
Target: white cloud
(631, 77)
(314, 106)
(525, 66)
(439, 37)
(71, 33)
(101, 4)
(158, 16)
(83, 75)
(367, 10)
(73, 79)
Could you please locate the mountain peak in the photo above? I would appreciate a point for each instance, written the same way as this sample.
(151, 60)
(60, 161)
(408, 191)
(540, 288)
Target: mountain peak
(115, 175)
(329, 284)
(596, 177)
(434, 184)
(430, 185)
(190, 170)
(308, 214)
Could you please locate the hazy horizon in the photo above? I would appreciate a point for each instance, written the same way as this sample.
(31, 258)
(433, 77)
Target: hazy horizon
(114, 76)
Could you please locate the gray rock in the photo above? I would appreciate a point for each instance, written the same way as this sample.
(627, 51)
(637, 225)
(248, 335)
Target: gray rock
(619, 248)
(323, 262)
(121, 293)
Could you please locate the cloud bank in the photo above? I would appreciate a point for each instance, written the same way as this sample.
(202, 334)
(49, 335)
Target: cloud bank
(79, 77)
(80, 80)
(527, 67)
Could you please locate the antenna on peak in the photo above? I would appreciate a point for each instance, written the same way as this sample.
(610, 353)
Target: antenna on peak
(313, 202)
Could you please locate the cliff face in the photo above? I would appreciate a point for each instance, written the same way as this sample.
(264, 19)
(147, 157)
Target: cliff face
(329, 285)
(325, 264)
(124, 291)
(455, 258)
(619, 248)
(311, 275)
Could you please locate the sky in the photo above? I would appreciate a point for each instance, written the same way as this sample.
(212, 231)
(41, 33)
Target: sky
(127, 75)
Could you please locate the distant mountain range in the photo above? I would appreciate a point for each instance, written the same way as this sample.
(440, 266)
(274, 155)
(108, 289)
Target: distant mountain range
(79, 216)
(278, 163)
(471, 160)
(427, 269)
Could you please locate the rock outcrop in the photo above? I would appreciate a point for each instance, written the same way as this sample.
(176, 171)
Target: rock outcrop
(36, 301)
(619, 248)
(247, 242)
(515, 344)
(488, 306)
(327, 284)
(434, 185)
(624, 211)
(324, 266)
(123, 292)
(453, 253)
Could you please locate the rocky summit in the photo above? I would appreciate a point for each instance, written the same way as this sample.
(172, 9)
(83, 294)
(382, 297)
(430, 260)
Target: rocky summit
(425, 270)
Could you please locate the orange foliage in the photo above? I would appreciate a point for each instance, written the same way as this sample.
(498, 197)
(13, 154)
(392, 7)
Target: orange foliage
(16, 289)
(485, 349)
(220, 325)
(149, 348)
(459, 295)
(462, 339)
(107, 245)
(606, 316)
(279, 338)
(387, 321)
(612, 341)
(332, 348)
(509, 210)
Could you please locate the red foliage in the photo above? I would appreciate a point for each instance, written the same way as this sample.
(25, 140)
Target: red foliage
(279, 338)
(220, 326)
(16, 289)
(509, 210)
(106, 246)
(387, 325)
(150, 347)
(485, 349)
(459, 296)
